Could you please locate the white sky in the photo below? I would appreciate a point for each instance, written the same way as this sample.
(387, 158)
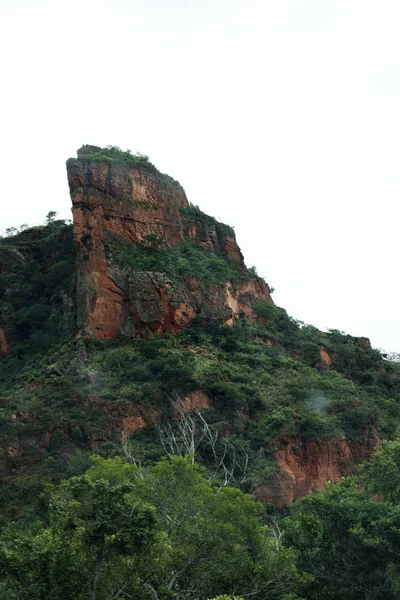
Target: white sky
(280, 117)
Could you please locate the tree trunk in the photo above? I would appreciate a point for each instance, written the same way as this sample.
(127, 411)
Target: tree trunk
(96, 575)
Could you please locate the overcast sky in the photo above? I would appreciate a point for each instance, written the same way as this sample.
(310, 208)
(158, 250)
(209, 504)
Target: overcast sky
(279, 117)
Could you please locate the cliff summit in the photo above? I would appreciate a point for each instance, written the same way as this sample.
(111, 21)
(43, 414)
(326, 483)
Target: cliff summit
(147, 260)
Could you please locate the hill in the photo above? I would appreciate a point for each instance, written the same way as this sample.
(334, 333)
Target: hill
(138, 330)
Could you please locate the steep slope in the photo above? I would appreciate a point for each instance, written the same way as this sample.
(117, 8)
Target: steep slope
(137, 239)
(143, 311)
(37, 286)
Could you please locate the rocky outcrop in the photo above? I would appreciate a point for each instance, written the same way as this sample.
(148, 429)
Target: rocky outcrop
(325, 361)
(304, 467)
(128, 201)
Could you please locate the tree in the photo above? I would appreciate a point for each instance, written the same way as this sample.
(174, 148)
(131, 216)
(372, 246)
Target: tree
(50, 217)
(97, 528)
(382, 472)
(106, 520)
(348, 542)
(218, 541)
(191, 435)
(11, 231)
(167, 533)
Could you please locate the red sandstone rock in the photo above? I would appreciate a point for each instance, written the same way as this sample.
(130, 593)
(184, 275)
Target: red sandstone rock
(304, 467)
(325, 358)
(130, 202)
(196, 400)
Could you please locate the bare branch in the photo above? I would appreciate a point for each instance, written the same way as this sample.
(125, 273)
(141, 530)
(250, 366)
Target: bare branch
(277, 533)
(127, 451)
(191, 433)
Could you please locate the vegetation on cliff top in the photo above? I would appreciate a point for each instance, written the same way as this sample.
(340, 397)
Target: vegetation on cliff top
(113, 154)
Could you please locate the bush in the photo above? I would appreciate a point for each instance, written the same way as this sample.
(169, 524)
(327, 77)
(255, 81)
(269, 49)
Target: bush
(112, 154)
(193, 213)
(187, 259)
(227, 395)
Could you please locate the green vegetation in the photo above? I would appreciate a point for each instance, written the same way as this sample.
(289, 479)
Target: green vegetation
(381, 473)
(185, 260)
(348, 541)
(171, 181)
(246, 377)
(166, 531)
(193, 214)
(69, 398)
(113, 154)
(116, 156)
(36, 284)
(163, 532)
(129, 523)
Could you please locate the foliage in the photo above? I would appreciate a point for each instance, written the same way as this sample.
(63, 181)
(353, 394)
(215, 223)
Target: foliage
(170, 181)
(382, 471)
(162, 529)
(355, 358)
(348, 543)
(113, 154)
(185, 260)
(193, 214)
(258, 391)
(36, 283)
(164, 532)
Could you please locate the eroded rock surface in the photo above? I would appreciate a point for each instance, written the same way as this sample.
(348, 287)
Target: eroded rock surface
(127, 203)
(304, 467)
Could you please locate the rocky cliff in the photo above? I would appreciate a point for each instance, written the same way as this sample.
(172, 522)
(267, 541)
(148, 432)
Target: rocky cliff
(307, 466)
(86, 316)
(122, 201)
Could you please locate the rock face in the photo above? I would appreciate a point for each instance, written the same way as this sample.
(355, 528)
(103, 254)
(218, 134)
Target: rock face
(304, 467)
(128, 201)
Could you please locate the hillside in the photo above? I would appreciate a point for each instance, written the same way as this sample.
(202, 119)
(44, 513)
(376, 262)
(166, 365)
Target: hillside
(142, 316)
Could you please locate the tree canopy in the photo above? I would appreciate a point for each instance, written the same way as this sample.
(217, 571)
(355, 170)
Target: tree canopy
(119, 531)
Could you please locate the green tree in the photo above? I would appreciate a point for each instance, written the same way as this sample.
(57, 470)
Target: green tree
(167, 533)
(348, 542)
(382, 472)
(50, 217)
(218, 541)
(97, 528)
(106, 520)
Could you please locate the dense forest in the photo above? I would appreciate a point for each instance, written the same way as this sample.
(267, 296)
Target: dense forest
(148, 467)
